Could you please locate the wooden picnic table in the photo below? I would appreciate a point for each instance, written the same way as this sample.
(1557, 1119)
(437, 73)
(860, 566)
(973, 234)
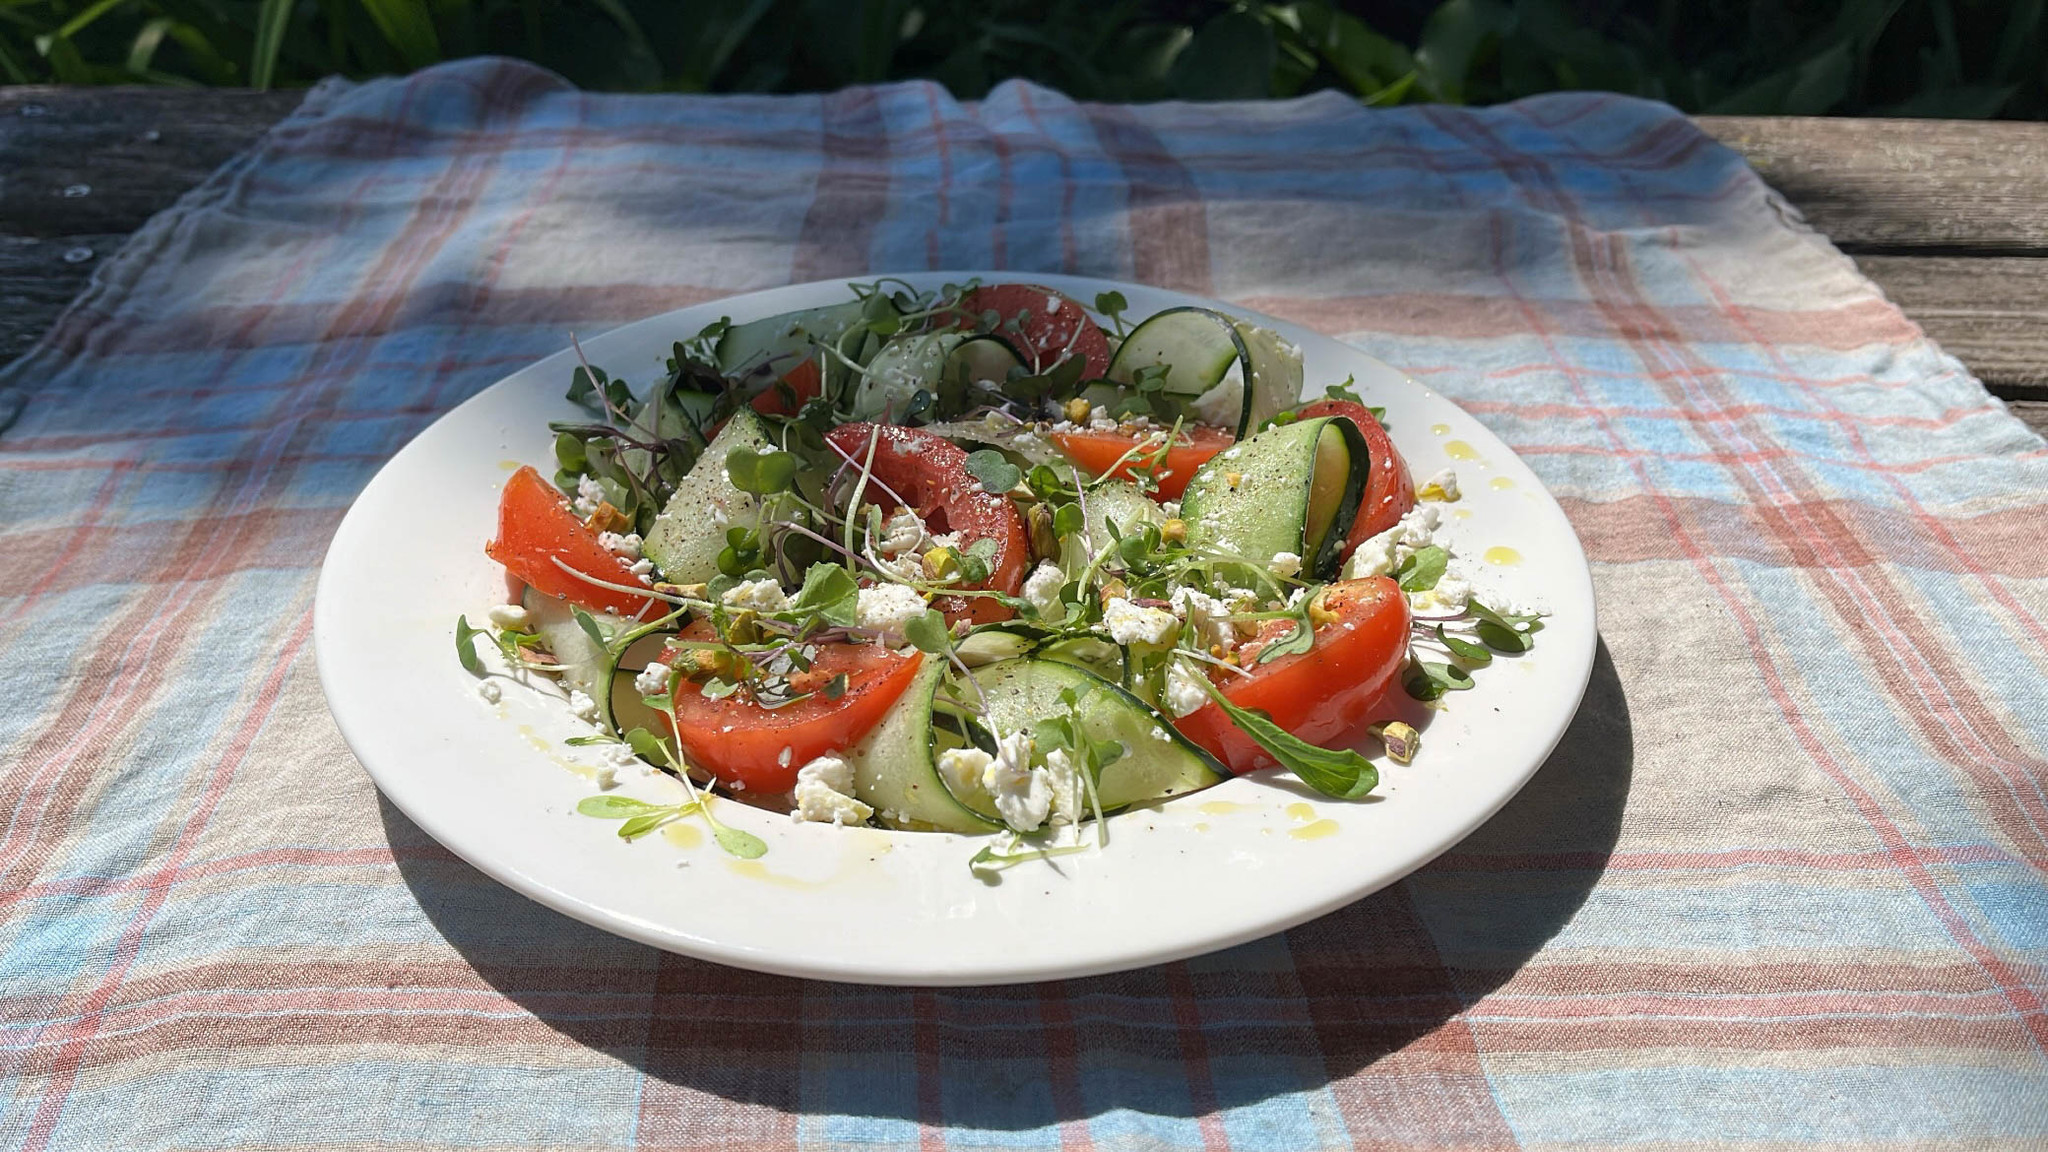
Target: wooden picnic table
(1950, 218)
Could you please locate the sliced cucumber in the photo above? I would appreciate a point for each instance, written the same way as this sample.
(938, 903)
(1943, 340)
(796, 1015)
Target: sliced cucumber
(904, 367)
(689, 533)
(1276, 374)
(588, 666)
(986, 357)
(763, 350)
(1157, 761)
(1286, 489)
(894, 770)
(1196, 346)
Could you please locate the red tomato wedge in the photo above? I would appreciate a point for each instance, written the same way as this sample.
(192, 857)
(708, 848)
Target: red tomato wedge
(1389, 489)
(536, 526)
(1326, 695)
(930, 473)
(803, 383)
(1057, 328)
(1098, 451)
(738, 741)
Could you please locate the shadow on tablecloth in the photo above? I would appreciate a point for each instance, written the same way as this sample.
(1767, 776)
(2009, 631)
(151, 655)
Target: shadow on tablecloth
(1378, 983)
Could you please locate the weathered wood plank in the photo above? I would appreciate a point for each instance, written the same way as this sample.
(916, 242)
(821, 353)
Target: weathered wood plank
(80, 161)
(1910, 198)
(1989, 312)
(1897, 185)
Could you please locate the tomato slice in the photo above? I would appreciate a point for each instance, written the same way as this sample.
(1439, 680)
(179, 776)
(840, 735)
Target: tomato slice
(930, 472)
(1058, 327)
(1326, 695)
(536, 526)
(803, 382)
(738, 741)
(1389, 489)
(1098, 450)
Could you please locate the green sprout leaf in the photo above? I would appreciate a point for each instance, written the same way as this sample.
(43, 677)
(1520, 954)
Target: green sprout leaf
(465, 646)
(1338, 773)
(588, 623)
(762, 473)
(995, 472)
(648, 747)
(744, 845)
(1429, 680)
(1422, 570)
(830, 594)
(615, 807)
(1463, 649)
(928, 632)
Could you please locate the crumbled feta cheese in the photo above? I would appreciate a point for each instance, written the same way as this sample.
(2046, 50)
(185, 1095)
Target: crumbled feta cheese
(490, 691)
(1418, 527)
(583, 706)
(1374, 556)
(1101, 422)
(1171, 508)
(1184, 692)
(1052, 305)
(1284, 564)
(963, 768)
(589, 494)
(1442, 486)
(1129, 623)
(1207, 617)
(1063, 781)
(902, 532)
(1043, 586)
(652, 680)
(946, 540)
(1161, 735)
(822, 793)
(785, 756)
(606, 777)
(1449, 597)
(627, 545)
(888, 607)
(640, 567)
(760, 595)
(510, 617)
(1022, 797)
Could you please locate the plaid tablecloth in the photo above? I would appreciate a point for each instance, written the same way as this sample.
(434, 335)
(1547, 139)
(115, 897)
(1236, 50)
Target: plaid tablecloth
(1781, 886)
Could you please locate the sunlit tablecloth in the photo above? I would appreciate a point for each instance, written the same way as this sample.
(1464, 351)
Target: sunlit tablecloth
(1782, 884)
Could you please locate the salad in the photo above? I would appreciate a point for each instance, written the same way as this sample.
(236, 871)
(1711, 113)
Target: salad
(979, 560)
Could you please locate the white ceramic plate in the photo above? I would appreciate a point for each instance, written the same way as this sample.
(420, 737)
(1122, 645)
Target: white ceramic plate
(1249, 857)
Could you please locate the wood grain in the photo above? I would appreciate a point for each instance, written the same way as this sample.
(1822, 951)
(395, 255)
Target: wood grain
(1950, 218)
(1904, 186)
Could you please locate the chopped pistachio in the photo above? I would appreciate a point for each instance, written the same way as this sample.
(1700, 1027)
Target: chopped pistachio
(1077, 410)
(1174, 531)
(1402, 741)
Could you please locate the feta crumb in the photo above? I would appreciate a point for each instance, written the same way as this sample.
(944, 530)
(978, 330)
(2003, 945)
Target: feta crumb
(785, 756)
(1161, 735)
(627, 545)
(1450, 596)
(888, 607)
(652, 680)
(490, 691)
(640, 567)
(1043, 586)
(583, 706)
(760, 595)
(1442, 486)
(510, 617)
(1022, 796)
(1101, 423)
(1184, 692)
(946, 540)
(1128, 623)
(1284, 564)
(589, 494)
(606, 777)
(821, 795)
(963, 768)
(1063, 781)
(1382, 554)
(902, 532)
(1171, 508)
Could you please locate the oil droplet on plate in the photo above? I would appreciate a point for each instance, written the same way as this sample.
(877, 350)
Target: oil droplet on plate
(1201, 826)
(1440, 429)
(682, 835)
(1221, 808)
(1301, 812)
(1500, 483)
(510, 465)
(1461, 513)
(1502, 555)
(1315, 831)
(755, 870)
(1459, 450)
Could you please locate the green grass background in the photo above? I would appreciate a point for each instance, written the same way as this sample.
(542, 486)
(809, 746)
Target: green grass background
(1944, 58)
